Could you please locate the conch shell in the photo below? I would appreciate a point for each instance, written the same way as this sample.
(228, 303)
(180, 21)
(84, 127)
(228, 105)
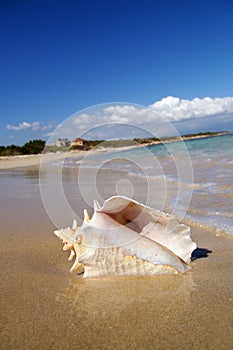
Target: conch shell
(124, 237)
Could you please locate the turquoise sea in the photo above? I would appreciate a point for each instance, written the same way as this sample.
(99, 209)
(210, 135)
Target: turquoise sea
(196, 175)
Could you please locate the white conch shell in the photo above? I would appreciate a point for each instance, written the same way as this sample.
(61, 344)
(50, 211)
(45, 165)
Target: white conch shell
(125, 237)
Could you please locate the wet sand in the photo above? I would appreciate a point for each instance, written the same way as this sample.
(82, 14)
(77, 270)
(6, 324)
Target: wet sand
(43, 306)
(32, 160)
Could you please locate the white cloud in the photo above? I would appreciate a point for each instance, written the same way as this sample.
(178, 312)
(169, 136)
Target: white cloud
(124, 114)
(170, 109)
(176, 109)
(169, 116)
(34, 126)
(159, 117)
(21, 126)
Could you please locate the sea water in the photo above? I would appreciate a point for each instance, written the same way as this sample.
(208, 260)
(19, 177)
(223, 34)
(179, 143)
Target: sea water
(212, 198)
(203, 168)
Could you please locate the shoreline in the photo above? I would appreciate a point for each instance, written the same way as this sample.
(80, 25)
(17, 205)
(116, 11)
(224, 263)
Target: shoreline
(184, 138)
(11, 162)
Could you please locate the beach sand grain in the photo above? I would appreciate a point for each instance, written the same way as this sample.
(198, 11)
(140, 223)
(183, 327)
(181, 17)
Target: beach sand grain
(43, 306)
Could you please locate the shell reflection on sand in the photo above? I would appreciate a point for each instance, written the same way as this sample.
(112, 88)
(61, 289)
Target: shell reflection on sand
(125, 237)
(110, 300)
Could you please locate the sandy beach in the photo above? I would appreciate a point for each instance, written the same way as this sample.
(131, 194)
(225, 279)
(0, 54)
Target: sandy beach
(30, 160)
(43, 306)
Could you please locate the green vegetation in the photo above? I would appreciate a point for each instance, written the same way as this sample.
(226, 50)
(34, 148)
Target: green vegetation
(89, 144)
(54, 149)
(31, 147)
(38, 146)
(117, 143)
(145, 140)
(94, 143)
(178, 138)
(208, 133)
(80, 148)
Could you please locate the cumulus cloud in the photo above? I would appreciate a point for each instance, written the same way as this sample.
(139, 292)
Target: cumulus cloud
(172, 109)
(176, 109)
(124, 114)
(161, 117)
(34, 126)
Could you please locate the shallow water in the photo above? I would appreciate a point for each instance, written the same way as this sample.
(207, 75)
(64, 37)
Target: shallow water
(196, 176)
(212, 198)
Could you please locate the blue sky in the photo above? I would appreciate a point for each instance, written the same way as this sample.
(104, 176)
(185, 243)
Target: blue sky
(58, 57)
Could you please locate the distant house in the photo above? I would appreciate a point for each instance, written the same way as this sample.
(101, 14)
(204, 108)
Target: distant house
(62, 143)
(79, 144)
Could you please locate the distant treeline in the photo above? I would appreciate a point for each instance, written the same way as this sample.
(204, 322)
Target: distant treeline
(173, 138)
(30, 147)
(208, 133)
(115, 143)
(38, 146)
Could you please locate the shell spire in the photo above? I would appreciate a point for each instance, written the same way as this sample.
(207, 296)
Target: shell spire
(87, 218)
(96, 205)
(74, 225)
